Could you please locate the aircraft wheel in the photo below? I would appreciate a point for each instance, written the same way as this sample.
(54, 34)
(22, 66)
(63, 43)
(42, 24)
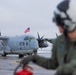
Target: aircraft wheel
(35, 51)
(4, 55)
(21, 55)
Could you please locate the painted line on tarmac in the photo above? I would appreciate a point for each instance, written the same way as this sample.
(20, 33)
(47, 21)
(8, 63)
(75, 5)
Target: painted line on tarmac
(18, 61)
(15, 61)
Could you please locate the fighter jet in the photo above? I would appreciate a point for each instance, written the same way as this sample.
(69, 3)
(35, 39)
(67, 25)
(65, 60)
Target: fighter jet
(21, 45)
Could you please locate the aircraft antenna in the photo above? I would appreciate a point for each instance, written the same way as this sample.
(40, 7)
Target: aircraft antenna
(0, 30)
(56, 34)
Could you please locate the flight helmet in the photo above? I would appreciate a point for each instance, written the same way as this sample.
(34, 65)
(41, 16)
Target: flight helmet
(65, 15)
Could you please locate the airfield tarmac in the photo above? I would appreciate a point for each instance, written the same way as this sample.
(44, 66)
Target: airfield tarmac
(9, 63)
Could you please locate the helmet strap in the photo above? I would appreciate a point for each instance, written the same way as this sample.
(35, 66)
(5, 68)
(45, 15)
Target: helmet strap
(65, 33)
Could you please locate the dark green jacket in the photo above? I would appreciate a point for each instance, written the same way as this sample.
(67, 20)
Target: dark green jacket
(63, 52)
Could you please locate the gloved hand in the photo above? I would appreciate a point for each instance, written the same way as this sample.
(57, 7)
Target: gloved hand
(26, 60)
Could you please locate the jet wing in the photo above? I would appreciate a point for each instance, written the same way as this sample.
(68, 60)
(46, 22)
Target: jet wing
(3, 37)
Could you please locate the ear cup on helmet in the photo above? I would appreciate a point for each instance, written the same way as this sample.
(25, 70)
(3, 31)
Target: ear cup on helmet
(69, 25)
(57, 19)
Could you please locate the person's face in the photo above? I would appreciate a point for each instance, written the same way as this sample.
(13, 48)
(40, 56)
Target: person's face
(61, 29)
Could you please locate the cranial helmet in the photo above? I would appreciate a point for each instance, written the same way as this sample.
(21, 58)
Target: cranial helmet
(65, 15)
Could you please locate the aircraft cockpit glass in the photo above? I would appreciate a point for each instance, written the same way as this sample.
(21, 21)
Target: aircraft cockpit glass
(26, 38)
(29, 38)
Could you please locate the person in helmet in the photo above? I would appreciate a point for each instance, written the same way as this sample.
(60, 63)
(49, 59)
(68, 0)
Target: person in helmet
(64, 48)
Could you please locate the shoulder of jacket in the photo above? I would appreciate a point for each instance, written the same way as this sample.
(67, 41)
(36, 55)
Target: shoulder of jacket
(60, 38)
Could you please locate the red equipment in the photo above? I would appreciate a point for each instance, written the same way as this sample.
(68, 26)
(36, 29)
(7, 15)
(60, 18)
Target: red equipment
(24, 71)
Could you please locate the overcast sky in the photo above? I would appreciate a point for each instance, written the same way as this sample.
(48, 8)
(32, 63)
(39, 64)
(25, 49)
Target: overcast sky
(17, 15)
